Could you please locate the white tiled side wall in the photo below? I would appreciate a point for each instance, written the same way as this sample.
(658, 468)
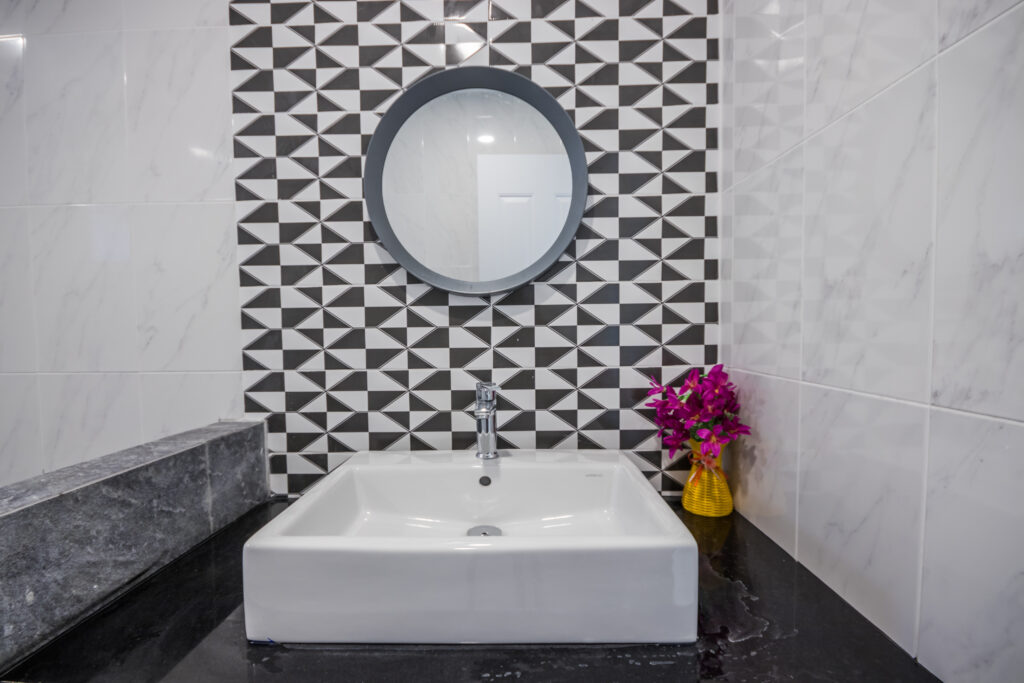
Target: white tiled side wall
(874, 264)
(118, 271)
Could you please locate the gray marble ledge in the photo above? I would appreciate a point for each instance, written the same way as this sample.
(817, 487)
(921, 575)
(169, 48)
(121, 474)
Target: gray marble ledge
(67, 479)
(73, 539)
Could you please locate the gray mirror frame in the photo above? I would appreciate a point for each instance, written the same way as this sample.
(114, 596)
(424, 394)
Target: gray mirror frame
(462, 78)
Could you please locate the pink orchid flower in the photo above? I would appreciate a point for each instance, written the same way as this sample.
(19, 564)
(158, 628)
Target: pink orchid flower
(712, 440)
(703, 408)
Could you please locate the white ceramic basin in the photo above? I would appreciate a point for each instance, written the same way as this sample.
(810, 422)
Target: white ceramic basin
(378, 552)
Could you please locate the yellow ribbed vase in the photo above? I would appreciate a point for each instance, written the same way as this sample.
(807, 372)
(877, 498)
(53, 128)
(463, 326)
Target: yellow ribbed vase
(706, 492)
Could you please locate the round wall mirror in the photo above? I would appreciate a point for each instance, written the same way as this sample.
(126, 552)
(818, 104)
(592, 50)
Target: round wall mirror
(475, 180)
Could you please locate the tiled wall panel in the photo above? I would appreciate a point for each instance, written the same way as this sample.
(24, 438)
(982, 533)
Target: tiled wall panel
(979, 263)
(118, 252)
(344, 351)
(904, 339)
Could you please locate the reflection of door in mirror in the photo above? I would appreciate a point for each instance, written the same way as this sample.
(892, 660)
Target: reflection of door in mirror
(520, 197)
(477, 185)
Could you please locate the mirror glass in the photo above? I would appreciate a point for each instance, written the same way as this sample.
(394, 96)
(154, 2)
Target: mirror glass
(477, 185)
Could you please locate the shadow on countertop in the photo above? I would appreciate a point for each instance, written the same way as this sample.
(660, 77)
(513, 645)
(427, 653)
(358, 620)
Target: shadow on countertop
(763, 617)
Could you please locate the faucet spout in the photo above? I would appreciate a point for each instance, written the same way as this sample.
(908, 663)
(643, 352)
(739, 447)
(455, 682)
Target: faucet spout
(485, 412)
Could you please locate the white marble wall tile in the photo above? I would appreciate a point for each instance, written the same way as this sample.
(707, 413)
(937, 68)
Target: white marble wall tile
(186, 274)
(83, 289)
(725, 305)
(75, 118)
(855, 48)
(762, 467)
(14, 156)
(178, 113)
(20, 446)
(867, 244)
(768, 81)
(972, 597)
(861, 480)
(12, 17)
(957, 18)
(767, 230)
(85, 415)
(17, 340)
(979, 312)
(64, 16)
(173, 402)
(155, 14)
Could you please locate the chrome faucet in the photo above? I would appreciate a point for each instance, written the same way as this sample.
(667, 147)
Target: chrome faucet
(485, 412)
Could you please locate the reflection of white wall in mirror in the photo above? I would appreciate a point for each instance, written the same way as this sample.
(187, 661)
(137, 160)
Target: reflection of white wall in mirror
(430, 176)
(520, 196)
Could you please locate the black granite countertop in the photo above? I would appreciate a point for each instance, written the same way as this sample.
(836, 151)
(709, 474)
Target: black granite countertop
(763, 617)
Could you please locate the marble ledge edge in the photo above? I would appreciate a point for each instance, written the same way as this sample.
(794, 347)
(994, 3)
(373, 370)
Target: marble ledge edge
(38, 489)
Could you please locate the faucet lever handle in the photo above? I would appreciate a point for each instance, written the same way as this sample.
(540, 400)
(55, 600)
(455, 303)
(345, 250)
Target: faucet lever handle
(486, 392)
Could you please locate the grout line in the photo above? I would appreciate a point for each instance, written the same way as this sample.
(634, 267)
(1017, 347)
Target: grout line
(803, 261)
(107, 31)
(60, 373)
(919, 404)
(940, 50)
(824, 128)
(168, 202)
(981, 416)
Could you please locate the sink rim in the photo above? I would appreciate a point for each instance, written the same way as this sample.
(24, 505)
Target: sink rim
(274, 535)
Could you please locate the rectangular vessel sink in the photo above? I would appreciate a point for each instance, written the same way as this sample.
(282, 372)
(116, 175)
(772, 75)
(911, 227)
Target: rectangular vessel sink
(379, 552)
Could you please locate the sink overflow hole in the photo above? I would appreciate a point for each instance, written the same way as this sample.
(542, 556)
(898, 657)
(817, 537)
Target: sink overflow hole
(484, 530)
(485, 481)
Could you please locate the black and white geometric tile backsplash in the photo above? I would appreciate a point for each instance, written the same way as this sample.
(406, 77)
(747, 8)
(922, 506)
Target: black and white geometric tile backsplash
(345, 351)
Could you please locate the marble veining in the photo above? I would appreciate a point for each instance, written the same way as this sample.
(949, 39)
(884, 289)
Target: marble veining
(85, 415)
(868, 244)
(19, 428)
(76, 549)
(178, 116)
(237, 483)
(12, 118)
(83, 288)
(972, 597)
(17, 321)
(76, 148)
(861, 472)
(37, 17)
(855, 48)
(184, 266)
(979, 315)
(958, 18)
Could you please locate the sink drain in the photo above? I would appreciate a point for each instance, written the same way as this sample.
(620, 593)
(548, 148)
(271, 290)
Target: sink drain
(484, 530)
